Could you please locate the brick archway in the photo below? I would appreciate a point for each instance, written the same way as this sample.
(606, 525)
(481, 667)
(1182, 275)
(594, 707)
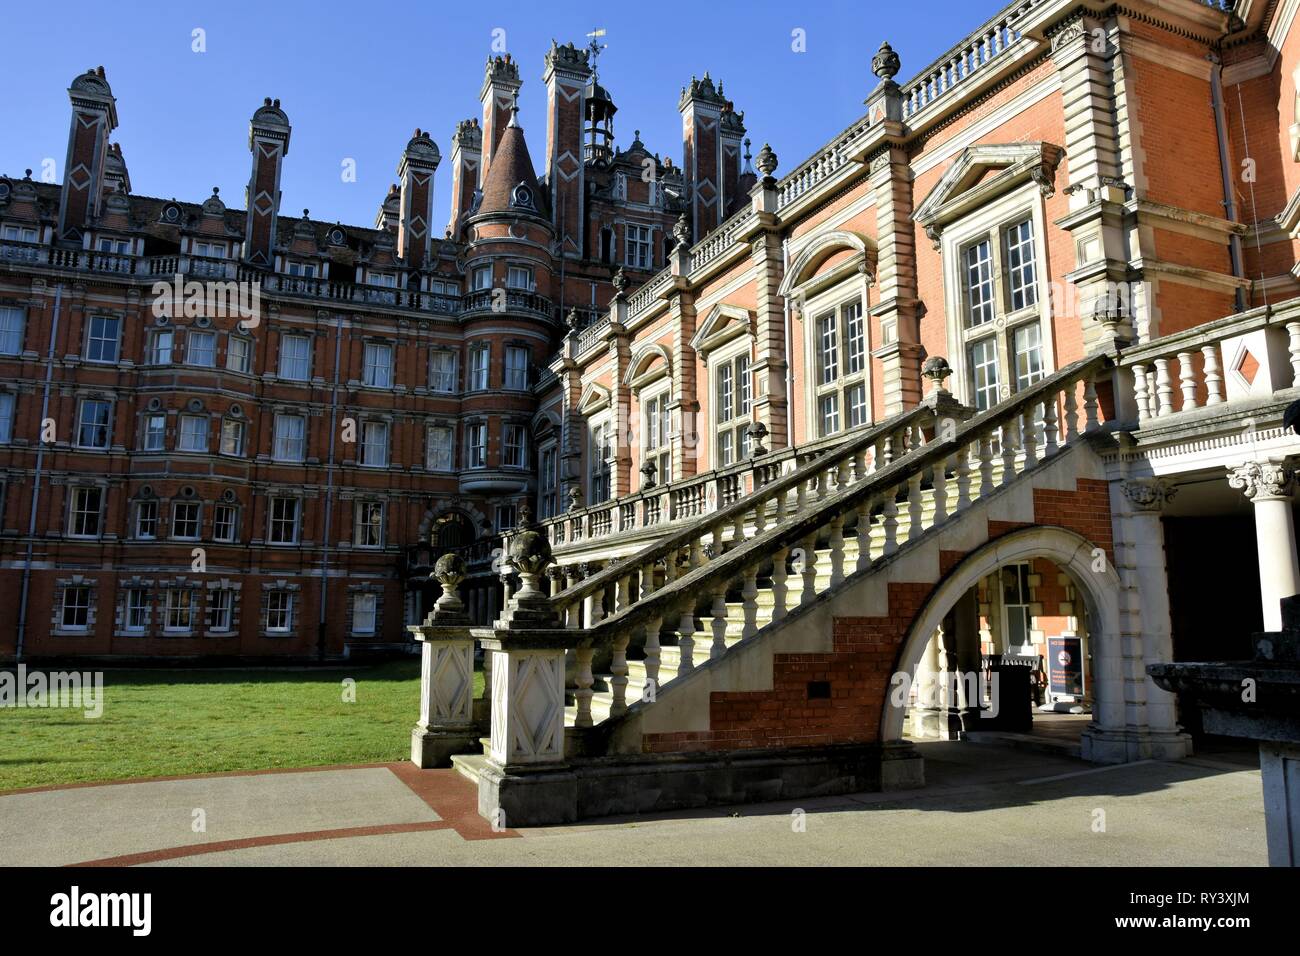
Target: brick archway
(1069, 551)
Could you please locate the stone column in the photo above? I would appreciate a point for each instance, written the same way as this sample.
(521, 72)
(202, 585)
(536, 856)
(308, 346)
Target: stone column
(1269, 486)
(771, 348)
(1133, 719)
(446, 725)
(900, 347)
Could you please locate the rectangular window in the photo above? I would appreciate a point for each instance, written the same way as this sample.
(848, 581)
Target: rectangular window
(506, 517)
(726, 448)
(146, 520)
(479, 356)
(1022, 285)
(437, 456)
(193, 434)
(638, 247)
(232, 436)
(155, 432)
(76, 609)
(377, 369)
(549, 501)
(7, 402)
(828, 411)
(598, 454)
(224, 523)
(284, 521)
(102, 339)
(160, 347)
(516, 368)
(11, 330)
(369, 529)
(239, 354)
(279, 611)
(515, 448)
(1028, 343)
(856, 400)
(828, 349)
(442, 370)
(855, 339)
(93, 424)
(977, 263)
(476, 445)
(984, 373)
(178, 614)
(482, 278)
(295, 364)
(221, 609)
(746, 383)
(137, 610)
(290, 438)
(201, 349)
(210, 250)
(19, 234)
(121, 247)
(363, 614)
(385, 280)
(519, 277)
(86, 506)
(305, 270)
(726, 393)
(186, 520)
(374, 444)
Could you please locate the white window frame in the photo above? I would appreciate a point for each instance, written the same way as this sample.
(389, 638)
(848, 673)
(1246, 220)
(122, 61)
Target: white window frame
(516, 449)
(64, 607)
(184, 604)
(194, 507)
(201, 344)
(81, 424)
(367, 456)
(137, 600)
(516, 369)
(548, 479)
(282, 369)
(186, 432)
(363, 524)
(429, 462)
(365, 606)
(94, 328)
(146, 509)
(731, 438)
(282, 443)
(273, 522)
(13, 328)
(377, 372)
(77, 514)
(656, 431)
(479, 370)
(638, 246)
(239, 354)
(8, 415)
(439, 376)
(476, 444)
(221, 609)
(280, 603)
(600, 449)
(160, 353)
(237, 428)
(220, 513)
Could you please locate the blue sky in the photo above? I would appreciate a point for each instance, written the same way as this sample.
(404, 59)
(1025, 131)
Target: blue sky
(356, 80)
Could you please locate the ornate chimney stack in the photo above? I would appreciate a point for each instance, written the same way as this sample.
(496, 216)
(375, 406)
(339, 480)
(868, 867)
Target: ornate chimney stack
(701, 106)
(500, 87)
(466, 159)
(568, 70)
(268, 141)
(415, 173)
(94, 117)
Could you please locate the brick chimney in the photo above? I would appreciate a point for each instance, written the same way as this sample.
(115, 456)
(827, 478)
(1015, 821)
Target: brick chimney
(500, 86)
(701, 106)
(731, 133)
(566, 76)
(466, 158)
(268, 141)
(415, 173)
(94, 117)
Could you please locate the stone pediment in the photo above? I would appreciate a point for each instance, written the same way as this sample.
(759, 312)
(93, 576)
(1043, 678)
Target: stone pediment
(981, 174)
(724, 323)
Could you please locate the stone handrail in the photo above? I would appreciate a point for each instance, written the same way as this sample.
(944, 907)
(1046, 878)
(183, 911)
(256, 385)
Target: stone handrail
(1189, 369)
(883, 442)
(1011, 432)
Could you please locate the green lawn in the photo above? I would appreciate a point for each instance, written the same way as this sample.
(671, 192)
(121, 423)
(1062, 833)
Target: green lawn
(160, 723)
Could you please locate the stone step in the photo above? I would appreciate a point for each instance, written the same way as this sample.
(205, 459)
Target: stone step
(469, 765)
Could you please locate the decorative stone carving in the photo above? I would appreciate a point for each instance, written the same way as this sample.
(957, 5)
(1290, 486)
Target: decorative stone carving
(1148, 494)
(766, 162)
(937, 370)
(681, 231)
(575, 498)
(1262, 480)
(886, 64)
(1043, 176)
(934, 234)
(619, 281)
(648, 470)
(449, 571)
(758, 432)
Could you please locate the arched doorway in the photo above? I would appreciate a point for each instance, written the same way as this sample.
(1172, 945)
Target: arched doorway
(953, 609)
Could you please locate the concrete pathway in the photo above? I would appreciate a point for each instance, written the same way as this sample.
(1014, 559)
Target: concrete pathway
(985, 805)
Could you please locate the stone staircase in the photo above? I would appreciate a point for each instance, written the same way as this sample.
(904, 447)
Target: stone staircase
(734, 576)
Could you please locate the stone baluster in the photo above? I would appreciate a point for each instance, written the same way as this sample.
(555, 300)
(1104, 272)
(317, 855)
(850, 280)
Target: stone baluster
(809, 547)
(1214, 372)
(986, 464)
(1029, 436)
(686, 638)
(1051, 429)
(1293, 346)
(1008, 441)
(837, 549)
(647, 580)
(1187, 380)
(939, 479)
(860, 465)
(963, 477)
(864, 535)
(1142, 392)
(582, 696)
(1090, 405)
(1164, 388)
(878, 452)
(618, 673)
(780, 596)
(1071, 414)
(749, 599)
(889, 511)
(719, 612)
(914, 506)
(651, 663)
(760, 517)
(625, 599)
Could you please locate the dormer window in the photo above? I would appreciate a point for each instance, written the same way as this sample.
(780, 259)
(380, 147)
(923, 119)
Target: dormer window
(120, 247)
(19, 234)
(209, 250)
(305, 270)
(385, 280)
(522, 197)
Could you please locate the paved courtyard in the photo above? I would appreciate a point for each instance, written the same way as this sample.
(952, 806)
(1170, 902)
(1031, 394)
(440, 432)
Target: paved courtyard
(985, 804)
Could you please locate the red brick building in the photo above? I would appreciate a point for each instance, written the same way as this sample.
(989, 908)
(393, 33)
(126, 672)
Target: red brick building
(235, 433)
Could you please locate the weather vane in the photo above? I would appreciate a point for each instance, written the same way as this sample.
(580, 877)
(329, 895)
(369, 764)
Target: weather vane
(594, 48)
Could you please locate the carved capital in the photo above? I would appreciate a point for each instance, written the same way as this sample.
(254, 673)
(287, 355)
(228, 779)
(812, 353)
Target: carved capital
(1263, 480)
(1148, 494)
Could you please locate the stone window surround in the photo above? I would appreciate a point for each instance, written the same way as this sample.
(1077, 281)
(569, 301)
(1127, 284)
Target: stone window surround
(61, 585)
(378, 591)
(125, 585)
(852, 286)
(178, 583)
(295, 608)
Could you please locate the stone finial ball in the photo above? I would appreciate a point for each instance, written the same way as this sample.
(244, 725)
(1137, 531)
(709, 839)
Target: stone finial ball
(530, 551)
(450, 569)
